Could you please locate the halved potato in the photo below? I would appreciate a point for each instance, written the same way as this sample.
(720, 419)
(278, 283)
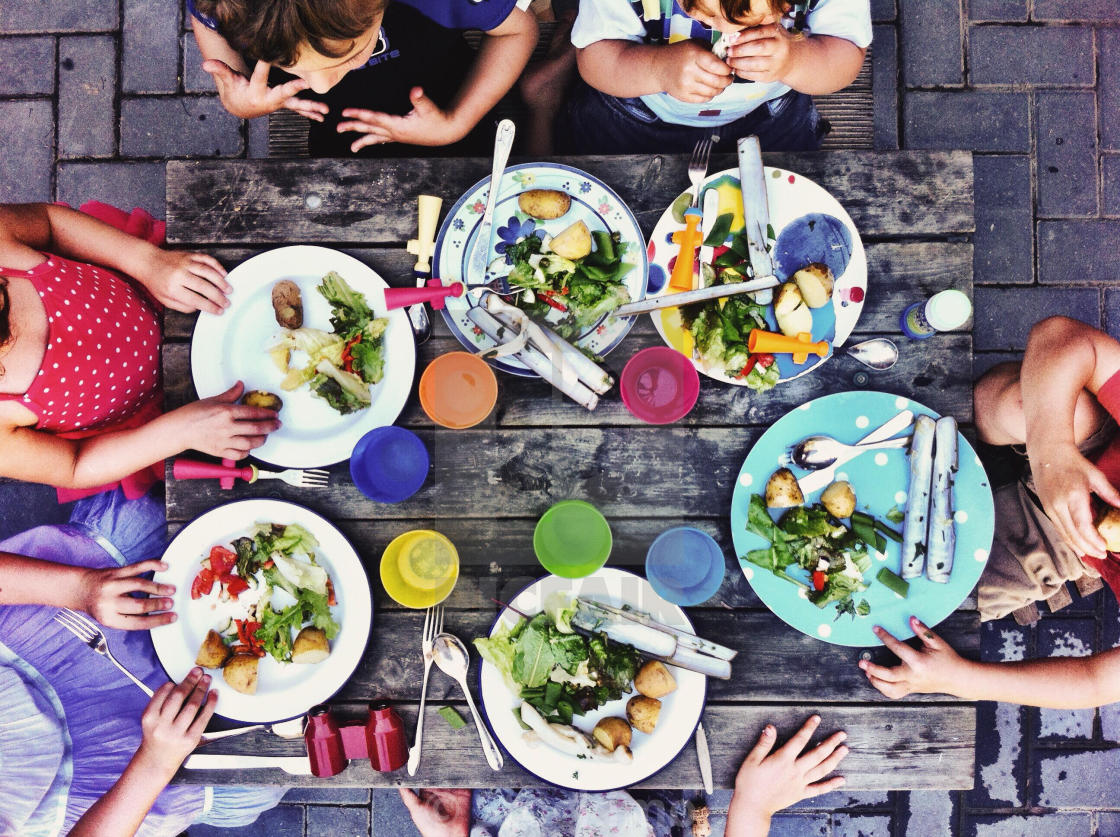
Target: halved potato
(213, 653)
(654, 680)
(1108, 524)
(791, 312)
(572, 243)
(241, 673)
(643, 713)
(782, 490)
(287, 304)
(612, 733)
(545, 204)
(815, 283)
(839, 498)
(262, 398)
(311, 646)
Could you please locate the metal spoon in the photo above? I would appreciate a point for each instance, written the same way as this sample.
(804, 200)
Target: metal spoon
(284, 729)
(879, 353)
(452, 658)
(816, 452)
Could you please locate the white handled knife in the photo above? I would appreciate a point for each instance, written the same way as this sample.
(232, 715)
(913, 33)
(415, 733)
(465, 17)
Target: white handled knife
(707, 254)
(480, 255)
(295, 765)
(678, 298)
(705, 758)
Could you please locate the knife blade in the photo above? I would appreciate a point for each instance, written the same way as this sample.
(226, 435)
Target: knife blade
(295, 765)
(707, 254)
(819, 479)
(673, 300)
(756, 212)
(480, 255)
(705, 758)
(427, 211)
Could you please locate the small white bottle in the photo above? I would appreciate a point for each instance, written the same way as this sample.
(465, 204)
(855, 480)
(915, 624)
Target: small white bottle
(943, 311)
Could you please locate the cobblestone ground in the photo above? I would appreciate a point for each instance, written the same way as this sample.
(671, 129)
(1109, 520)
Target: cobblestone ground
(96, 96)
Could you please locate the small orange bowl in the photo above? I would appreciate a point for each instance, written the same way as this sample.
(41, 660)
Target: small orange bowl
(458, 390)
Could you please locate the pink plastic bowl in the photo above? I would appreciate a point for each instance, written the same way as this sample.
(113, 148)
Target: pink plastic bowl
(659, 385)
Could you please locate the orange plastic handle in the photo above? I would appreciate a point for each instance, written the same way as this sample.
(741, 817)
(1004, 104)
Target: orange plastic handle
(689, 239)
(800, 347)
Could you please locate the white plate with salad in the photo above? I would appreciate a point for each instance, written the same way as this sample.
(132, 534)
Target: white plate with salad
(323, 415)
(572, 296)
(847, 555)
(520, 663)
(807, 226)
(275, 568)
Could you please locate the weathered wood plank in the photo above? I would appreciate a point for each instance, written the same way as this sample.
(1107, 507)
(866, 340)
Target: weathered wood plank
(371, 201)
(893, 746)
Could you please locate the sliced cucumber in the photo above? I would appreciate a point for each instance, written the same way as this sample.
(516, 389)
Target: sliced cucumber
(893, 582)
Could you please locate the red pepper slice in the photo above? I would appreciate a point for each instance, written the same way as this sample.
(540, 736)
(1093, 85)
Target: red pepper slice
(331, 600)
(347, 357)
(203, 583)
(222, 560)
(544, 297)
(819, 579)
(236, 585)
(746, 370)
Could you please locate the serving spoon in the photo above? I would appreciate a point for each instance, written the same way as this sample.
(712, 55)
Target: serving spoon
(452, 659)
(816, 452)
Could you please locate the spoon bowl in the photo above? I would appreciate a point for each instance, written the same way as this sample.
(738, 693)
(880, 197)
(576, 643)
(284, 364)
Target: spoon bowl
(878, 354)
(452, 658)
(816, 452)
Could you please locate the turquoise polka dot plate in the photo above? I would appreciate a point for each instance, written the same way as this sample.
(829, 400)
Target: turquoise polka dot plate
(880, 480)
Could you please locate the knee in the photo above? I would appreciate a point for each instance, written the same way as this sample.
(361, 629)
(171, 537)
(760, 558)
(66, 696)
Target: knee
(997, 405)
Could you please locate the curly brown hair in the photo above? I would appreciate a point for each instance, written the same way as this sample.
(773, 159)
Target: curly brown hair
(274, 31)
(5, 318)
(740, 11)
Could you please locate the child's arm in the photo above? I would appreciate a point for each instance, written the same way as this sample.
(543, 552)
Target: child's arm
(173, 723)
(504, 52)
(105, 594)
(217, 426)
(685, 70)
(180, 280)
(768, 782)
(1055, 683)
(816, 64)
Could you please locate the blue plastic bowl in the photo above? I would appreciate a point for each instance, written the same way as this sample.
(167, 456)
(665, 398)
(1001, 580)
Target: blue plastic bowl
(685, 566)
(389, 464)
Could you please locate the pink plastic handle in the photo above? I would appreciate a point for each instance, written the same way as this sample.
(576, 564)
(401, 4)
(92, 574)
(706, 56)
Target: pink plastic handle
(192, 469)
(435, 293)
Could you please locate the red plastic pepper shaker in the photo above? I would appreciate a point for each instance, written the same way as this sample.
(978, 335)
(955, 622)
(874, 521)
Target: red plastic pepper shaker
(385, 737)
(324, 743)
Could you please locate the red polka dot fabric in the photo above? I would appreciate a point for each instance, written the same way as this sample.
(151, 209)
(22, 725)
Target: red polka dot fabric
(101, 364)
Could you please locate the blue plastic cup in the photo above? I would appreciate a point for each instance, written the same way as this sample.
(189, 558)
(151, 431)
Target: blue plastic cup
(389, 464)
(685, 566)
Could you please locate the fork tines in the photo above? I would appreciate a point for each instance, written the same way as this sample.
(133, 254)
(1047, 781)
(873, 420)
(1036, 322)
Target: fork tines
(433, 623)
(78, 625)
(315, 478)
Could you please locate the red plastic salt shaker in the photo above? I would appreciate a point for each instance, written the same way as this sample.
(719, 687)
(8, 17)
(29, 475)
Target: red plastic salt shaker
(385, 737)
(324, 743)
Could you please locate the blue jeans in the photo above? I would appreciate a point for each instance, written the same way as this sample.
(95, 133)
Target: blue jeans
(593, 122)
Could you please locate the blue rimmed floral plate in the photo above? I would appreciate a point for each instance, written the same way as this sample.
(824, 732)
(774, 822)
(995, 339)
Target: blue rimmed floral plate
(593, 202)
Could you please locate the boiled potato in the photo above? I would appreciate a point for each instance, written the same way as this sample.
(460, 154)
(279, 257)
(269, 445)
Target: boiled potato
(213, 653)
(262, 398)
(545, 204)
(612, 733)
(572, 243)
(643, 712)
(1109, 526)
(241, 673)
(654, 680)
(311, 646)
(788, 298)
(791, 312)
(782, 490)
(839, 498)
(815, 283)
(287, 304)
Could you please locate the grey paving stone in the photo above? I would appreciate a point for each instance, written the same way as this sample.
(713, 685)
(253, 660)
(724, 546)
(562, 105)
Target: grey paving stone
(1110, 608)
(25, 505)
(1003, 641)
(800, 825)
(1003, 245)
(1108, 825)
(932, 51)
(337, 822)
(1066, 144)
(390, 817)
(1112, 326)
(28, 149)
(998, 9)
(1066, 638)
(282, 821)
(56, 16)
(883, 10)
(1060, 55)
(1001, 760)
(1102, 10)
(1108, 87)
(1110, 722)
(929, 814)
(977, 120)
(1046, 825)
(1004, 316)
(884, 87)
(1078, 251)
(27, 66)
(845, 825)
(329, 796)
(258, 137)
(195, 79)
(178, 126)
(87, 75)
(1110, 184)
(122, 184)
(1076, 780)
(150, 47)
(983, 361)
(844, 800)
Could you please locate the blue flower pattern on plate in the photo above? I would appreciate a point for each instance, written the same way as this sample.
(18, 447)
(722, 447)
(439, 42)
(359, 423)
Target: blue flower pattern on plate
(584, 187)
(457, 224)
(514, 231)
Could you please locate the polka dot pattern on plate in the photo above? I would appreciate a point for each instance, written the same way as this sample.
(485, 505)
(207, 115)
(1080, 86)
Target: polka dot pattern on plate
(842, 476)
(880, 458)
(824, 631)
(862, 422)
(901, 403)
(961, 516)
(980, 555)
(746, 480)
(900, 496)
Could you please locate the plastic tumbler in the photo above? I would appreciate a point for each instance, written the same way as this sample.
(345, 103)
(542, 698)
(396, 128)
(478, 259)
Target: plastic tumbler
(685, 566)
(659, 385)
(419, 568)
(458, 390)
(572, 539)
(389, 464)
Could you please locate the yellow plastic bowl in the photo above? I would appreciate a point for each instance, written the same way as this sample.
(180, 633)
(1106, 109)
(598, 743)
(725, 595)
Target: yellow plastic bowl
(394, 581)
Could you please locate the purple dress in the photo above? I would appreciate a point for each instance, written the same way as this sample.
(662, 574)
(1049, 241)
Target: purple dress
(72, 709)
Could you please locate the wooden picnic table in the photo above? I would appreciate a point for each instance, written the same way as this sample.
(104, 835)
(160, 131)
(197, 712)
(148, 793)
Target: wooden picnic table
(488, 485)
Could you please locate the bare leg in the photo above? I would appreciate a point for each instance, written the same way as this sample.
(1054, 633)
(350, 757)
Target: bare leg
(543, 85)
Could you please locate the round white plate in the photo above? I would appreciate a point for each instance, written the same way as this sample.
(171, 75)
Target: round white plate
(234, 346)
(680, 711)
(809, 225)
(283, 690)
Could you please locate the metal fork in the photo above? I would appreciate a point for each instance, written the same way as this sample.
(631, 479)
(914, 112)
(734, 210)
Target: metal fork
(88, 632)
(433, 627)
(306, 478)
(698, 166)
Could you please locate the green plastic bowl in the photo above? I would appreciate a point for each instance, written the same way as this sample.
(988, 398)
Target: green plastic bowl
(572, 539)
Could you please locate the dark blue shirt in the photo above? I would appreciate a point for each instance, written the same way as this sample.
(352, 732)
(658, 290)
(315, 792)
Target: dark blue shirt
(452, 14)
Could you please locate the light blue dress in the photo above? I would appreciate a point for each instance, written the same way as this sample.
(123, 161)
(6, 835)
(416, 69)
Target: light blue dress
(69, 720)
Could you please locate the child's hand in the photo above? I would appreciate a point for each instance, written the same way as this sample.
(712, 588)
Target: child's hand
(769, 781)
(1065, 482)
(249, 98)
(105, 596)
(174, 722)
(934, 668)
(425, 124)
(439, 812)
(187, 281)
(761, 53)
(691, 73)
(221, 427)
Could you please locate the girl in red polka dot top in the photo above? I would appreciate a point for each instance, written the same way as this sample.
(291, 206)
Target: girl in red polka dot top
(80, 393)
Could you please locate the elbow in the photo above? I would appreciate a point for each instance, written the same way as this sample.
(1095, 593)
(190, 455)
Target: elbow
(1059, 331)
